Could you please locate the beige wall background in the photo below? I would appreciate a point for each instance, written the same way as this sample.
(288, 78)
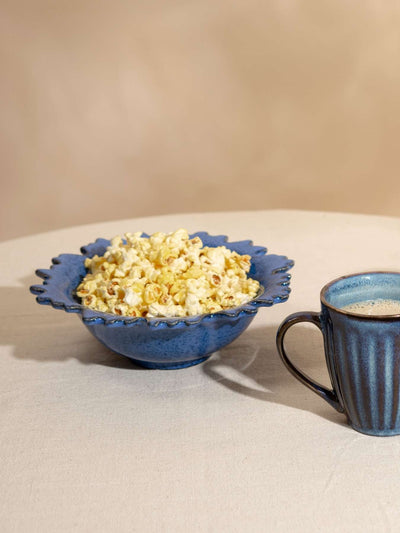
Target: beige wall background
(115, 109)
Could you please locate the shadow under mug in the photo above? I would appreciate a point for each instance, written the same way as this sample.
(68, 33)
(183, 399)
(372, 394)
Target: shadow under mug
(362, 352)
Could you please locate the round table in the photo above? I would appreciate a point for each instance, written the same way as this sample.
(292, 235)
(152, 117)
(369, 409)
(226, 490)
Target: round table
(91, 442)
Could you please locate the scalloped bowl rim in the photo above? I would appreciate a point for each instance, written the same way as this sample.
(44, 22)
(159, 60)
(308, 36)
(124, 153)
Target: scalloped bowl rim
(44, 292)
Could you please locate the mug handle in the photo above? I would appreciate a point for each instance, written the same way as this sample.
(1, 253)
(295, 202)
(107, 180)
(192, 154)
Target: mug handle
(315, 318)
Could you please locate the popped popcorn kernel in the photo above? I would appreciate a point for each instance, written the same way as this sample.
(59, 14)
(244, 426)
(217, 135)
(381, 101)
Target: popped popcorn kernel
(166, 275)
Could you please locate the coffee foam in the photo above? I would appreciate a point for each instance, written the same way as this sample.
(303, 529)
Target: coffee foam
(374, 307)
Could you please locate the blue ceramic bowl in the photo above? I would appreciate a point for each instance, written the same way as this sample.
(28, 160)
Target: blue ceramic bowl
(165, 342)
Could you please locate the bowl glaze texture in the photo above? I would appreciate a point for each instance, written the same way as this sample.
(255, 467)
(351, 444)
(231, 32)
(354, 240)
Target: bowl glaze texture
(165, 343)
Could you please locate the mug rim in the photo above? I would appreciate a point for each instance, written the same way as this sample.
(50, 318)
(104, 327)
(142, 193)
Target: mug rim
(352, 313)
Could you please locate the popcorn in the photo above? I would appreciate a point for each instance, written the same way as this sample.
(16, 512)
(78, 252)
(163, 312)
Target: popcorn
(166, 275)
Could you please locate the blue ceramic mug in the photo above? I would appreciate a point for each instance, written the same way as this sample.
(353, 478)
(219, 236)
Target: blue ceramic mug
(362, 351)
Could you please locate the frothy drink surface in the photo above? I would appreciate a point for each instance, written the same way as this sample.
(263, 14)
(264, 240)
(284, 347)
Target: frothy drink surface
(374, 307)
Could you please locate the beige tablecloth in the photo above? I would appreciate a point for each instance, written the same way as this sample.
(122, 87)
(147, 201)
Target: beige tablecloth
(90, 442)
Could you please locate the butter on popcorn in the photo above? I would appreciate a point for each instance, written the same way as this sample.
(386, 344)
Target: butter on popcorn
(166, 275)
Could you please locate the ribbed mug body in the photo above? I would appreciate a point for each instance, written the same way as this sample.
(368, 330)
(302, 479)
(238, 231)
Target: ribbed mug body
(363, 351)
(363, 357)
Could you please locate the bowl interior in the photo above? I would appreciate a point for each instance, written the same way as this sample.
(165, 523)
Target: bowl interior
(61, 280)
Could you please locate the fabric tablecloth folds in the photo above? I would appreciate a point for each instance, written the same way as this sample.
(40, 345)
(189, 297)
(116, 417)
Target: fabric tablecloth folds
(91, 442)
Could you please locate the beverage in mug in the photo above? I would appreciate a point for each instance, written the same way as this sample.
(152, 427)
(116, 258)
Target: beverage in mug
(360, 324)
(374, 307)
